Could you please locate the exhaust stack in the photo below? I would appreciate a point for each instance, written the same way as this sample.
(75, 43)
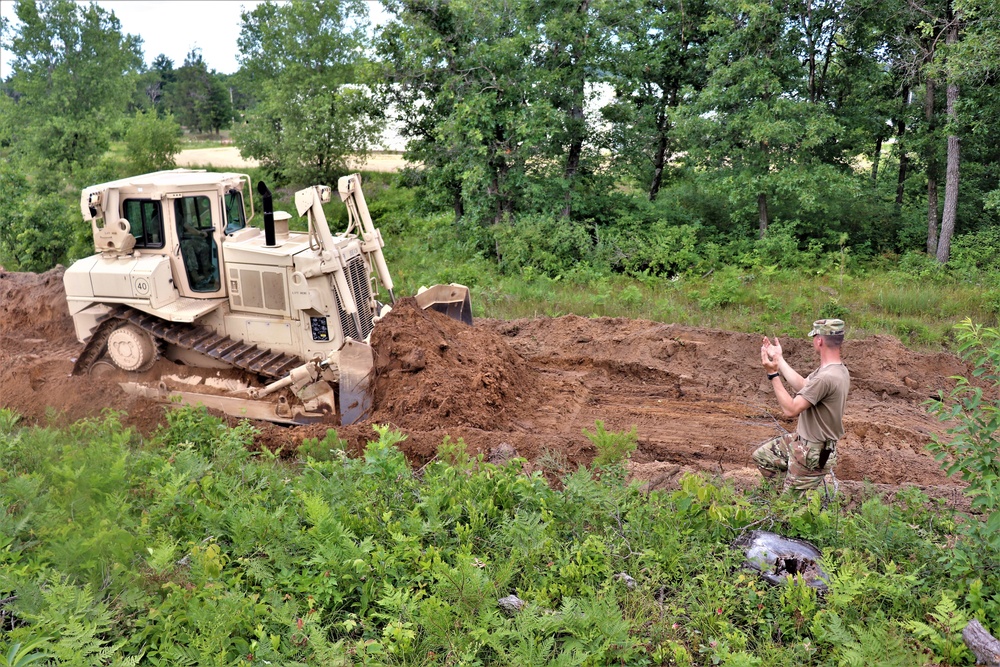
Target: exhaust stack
(265, 195)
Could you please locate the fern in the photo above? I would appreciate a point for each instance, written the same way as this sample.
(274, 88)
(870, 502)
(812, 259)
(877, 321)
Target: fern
(80, 624)
(944, 630)
(872, 645)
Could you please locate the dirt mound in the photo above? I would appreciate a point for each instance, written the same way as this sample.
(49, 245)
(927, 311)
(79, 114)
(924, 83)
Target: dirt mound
(697, 397)
(431, 371)
(38, 347)
(34, 305)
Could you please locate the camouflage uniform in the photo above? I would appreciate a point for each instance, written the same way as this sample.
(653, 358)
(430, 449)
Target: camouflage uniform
(794, 463)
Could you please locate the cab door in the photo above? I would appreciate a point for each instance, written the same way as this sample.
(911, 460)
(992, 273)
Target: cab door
(196, 255)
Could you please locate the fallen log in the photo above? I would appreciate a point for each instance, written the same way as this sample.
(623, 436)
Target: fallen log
(985, 646)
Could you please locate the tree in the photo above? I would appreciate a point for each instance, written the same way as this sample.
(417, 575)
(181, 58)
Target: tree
(954, 147)
(492, 95)
(977, 58)
(155, 83)
(72, 75)
(302, 59)
(658, 51)
(758, 118)
(151, 142)
(198, 98)
(73, 72)
(569, 38)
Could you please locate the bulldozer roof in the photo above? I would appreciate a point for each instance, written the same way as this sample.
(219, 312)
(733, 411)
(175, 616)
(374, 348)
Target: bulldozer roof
(172, 178)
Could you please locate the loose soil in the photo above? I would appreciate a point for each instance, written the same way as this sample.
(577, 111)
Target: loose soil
(697, 397)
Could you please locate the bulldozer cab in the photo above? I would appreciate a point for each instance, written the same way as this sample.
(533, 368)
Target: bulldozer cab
(180, 214)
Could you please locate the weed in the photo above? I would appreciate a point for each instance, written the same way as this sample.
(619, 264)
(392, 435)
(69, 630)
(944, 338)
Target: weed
(330, 447)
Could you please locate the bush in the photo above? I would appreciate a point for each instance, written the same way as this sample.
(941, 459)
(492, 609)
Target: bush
(38, 228)
(970, 446)
(550, 243)
(151, 142)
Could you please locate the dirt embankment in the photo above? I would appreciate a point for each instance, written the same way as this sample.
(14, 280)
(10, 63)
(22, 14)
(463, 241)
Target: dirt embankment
(697, 397)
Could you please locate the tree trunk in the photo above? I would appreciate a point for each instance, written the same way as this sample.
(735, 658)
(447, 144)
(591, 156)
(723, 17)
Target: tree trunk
(667, 100)
(660, 158)
(575, 153)
(950, 212)
(875, 160)
(762, 213)
(931, 160)
(983, 645)
(499, 187)
(904, 159)
(576, 124)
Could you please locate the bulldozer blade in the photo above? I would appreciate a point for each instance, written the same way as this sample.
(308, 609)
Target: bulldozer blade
(453, 300)
(279, 413)
(355, 364)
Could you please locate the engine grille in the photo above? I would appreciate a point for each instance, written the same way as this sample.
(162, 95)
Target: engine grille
(360, 286)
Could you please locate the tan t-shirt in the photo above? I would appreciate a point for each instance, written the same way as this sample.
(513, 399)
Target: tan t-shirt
(826, 388)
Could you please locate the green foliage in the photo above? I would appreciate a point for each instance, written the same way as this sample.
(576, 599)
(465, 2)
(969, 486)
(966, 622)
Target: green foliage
(304, 59)
(38, 228)
(21, 655)
(612, 448)
(548, 243)
(79, 623)
(859, 645)
(205, 554)
(72, 71)
(970, 444)
(943, 631)
(331, 446)
(151, 142)
(195, 96)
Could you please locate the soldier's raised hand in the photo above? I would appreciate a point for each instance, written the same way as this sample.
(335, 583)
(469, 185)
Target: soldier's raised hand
(773, 349)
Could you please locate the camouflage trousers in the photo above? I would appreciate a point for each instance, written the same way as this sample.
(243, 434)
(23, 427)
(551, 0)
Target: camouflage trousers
(794, 462)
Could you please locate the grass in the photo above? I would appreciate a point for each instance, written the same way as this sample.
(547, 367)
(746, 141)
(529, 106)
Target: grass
(783, 303)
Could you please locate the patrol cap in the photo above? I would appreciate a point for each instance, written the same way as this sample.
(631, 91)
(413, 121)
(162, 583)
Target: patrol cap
(827, 328)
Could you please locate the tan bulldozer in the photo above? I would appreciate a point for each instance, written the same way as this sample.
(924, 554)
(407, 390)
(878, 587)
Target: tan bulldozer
(180, 275)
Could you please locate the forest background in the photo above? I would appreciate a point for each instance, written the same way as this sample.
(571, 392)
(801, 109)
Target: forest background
(607, 145)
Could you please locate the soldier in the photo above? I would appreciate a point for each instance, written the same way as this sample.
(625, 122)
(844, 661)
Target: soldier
(801, 460)
(197, 256)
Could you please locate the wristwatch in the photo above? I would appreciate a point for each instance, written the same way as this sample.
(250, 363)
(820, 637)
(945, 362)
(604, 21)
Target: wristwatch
(771, 376)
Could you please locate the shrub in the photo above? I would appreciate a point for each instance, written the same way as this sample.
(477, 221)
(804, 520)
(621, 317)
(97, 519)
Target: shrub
(151, 142)
(970, 446)
(612, 447)
(549, 243)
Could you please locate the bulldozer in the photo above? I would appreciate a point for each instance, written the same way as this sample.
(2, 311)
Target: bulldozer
(179, 274)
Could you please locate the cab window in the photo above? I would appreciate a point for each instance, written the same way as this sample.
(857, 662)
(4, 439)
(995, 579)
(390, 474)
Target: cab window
(194, 215)
(235, 217)
(144, 218)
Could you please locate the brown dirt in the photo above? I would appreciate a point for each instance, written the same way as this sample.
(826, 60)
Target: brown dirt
(697, 397)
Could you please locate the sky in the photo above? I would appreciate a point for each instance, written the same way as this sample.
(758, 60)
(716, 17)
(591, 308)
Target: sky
(175, 27)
